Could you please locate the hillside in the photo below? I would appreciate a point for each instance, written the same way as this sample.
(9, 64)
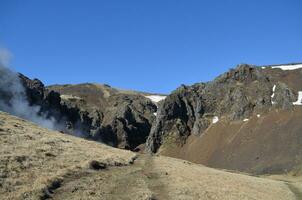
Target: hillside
(247, 119)
(37, 163)
(124, 117)
(94, 95)
(118, 118)
(270, 143)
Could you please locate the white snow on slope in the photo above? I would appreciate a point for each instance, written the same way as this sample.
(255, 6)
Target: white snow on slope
(215, 120)
(258, 115)
(288, 67)
(272, 96)
(63, 96)
(156, 98)
(299, 101)
(245, 120)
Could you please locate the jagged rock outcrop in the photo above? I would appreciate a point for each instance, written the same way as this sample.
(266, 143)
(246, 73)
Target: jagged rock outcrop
(129, 119)
(69, 119)
(235, 95)
(120, 118)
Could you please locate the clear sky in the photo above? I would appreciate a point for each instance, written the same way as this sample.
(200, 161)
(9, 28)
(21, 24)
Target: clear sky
(147, 45)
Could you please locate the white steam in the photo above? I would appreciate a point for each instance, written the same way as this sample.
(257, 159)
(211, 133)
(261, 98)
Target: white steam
(13, 96)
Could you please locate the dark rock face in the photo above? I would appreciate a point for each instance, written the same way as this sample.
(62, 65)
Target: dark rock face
(34, 89)
(69, 119)
(120, 119)
(235, 95)
(129, 118)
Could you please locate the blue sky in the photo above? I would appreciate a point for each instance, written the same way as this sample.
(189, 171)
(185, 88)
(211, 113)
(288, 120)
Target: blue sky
(147, 45)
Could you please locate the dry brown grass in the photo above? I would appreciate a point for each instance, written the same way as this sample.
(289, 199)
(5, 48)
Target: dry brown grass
(190, 181)
(32, 158)
(36, 163)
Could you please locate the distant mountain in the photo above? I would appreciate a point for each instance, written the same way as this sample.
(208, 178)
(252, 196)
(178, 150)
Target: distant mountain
(248, 119)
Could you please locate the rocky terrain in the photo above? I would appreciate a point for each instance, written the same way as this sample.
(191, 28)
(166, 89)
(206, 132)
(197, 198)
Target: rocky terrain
(36, 163)
(246, 123)
(124, 118)
(248, 119)
(118, 118)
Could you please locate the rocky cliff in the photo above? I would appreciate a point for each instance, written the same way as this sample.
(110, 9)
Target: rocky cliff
(120, 118)
(235, 96)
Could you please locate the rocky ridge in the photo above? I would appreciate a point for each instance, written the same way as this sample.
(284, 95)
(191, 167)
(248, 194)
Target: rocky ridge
(235, 96)
(101, 113)
(124, 117)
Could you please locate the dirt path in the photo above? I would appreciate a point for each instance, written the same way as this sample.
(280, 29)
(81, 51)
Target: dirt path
(152, 177)
(157, 178)
(39, 164)
(136, 181)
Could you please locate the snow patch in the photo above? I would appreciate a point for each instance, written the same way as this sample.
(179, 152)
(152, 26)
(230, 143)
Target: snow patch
(299, 101)
(272, 96)
(288, 67)
(258, 115)
(245, 120)
(274, 88)
(68, 97)
(215, 120)
(156, 98)
(155, 114)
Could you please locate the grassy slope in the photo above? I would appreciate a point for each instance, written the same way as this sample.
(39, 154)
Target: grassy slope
(34, 158)
(36, 163)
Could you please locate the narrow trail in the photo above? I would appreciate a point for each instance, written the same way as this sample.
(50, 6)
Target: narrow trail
(139, 180)
(153, 178)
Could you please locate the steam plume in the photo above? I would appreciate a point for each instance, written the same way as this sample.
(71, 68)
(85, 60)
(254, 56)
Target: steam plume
(13, 96)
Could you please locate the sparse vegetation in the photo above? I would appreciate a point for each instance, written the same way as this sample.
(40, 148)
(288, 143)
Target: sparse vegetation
(40, 164)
